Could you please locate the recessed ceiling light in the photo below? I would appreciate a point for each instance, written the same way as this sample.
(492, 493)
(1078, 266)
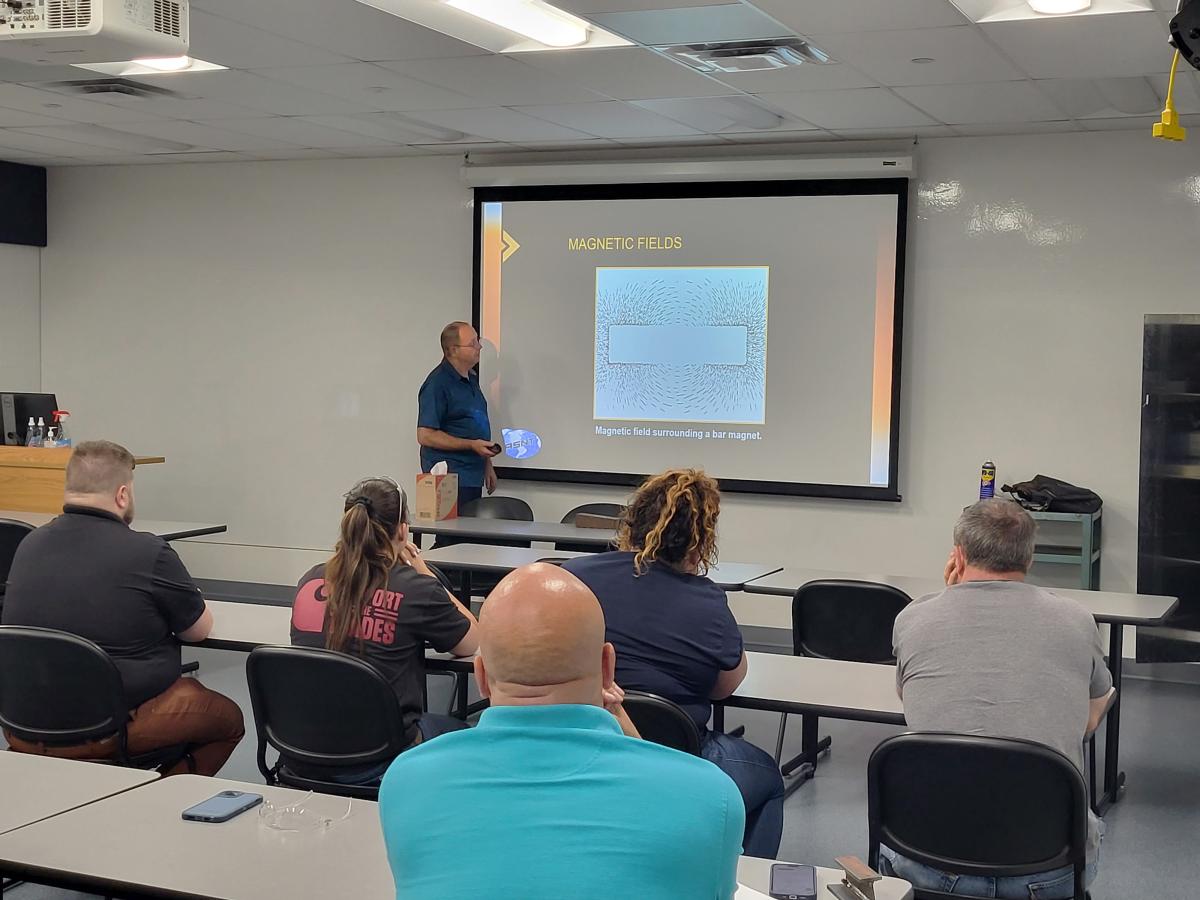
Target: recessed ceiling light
(533, 19)
(1059, 7)
(172, 65)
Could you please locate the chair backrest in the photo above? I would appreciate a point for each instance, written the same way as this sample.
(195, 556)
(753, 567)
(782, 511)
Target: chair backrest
(977, 805)
(443, 578)
(322, 708)
(12, 532)
(660, 721)
(498, 508)
(612, 510)
(58, 688)
(849, 620)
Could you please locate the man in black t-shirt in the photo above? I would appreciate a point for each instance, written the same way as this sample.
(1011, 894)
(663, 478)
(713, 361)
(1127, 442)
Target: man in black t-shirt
(88, 573)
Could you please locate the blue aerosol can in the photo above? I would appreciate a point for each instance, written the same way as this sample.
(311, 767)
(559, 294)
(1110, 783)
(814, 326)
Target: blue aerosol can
(987, 481)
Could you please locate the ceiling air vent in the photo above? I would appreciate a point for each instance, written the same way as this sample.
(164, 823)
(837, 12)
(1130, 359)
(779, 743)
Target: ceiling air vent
(115, 88)
(748, 56)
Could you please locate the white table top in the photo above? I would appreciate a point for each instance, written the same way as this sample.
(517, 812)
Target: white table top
(861, 692)
(730, 576)
(511, 529)
(169, 531)
(136, 842)
(1106, 606)
(244, 626)
(35, 787)
(756, 873)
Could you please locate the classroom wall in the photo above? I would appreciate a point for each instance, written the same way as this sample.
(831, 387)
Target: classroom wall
(265, 326)
(20, 319)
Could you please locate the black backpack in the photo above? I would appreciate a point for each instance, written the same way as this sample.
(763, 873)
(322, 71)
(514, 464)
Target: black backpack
(1054, 495)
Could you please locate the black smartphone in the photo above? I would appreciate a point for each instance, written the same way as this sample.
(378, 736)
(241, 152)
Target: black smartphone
(792, 882)
(222, 807)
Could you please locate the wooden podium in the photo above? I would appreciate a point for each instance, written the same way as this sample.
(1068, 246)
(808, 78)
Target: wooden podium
(32, 479)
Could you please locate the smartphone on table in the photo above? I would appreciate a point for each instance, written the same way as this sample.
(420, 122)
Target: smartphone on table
(792, 882)
(222, 807)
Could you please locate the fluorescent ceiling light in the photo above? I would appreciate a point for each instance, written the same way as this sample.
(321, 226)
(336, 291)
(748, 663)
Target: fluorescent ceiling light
(1059, 7)
(538, 21)
(172, 65)
(988, 11)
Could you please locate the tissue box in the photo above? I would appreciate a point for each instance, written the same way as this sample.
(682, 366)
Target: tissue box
(436, 498)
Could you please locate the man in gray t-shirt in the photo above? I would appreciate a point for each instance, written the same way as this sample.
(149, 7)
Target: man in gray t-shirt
(994, 656)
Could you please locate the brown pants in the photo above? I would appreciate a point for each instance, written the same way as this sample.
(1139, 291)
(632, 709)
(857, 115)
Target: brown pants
(208, 723)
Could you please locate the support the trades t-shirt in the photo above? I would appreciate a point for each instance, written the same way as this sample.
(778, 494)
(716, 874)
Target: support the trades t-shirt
(397, 621)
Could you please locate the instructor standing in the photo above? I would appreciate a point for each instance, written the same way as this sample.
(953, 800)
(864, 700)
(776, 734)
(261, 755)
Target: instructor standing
(452, 416)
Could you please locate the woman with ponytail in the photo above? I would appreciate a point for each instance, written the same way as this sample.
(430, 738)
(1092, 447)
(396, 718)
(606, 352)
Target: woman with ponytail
(674, 633)
(376, 598)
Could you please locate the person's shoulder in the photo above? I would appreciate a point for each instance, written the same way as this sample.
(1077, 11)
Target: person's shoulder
(597, 562)
(433, 377)
(316, 573)
(1067, 608)
(407, 580)
(673, 770)
(922, 609)
(428, 762)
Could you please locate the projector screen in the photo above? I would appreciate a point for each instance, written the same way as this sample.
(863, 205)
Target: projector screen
(751, 329)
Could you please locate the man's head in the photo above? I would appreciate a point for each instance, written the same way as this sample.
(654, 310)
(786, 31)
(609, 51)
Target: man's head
(995, 537)
(100, 474)
(460, 345)
(541, 641)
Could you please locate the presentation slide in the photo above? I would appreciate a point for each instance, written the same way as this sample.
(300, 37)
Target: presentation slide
(751, 330)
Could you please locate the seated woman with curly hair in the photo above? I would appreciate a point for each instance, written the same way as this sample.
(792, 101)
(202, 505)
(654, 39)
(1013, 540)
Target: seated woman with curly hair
(674, 633)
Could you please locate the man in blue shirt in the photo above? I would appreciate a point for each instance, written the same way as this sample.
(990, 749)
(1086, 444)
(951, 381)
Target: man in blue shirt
(452, 416)
(547, 799)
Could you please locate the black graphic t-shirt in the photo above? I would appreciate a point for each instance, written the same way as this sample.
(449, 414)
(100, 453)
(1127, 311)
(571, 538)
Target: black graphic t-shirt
(397, 621)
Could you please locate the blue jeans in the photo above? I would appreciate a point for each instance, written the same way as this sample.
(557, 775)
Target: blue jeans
(756, 776)
(429, 725)
(1056, 885)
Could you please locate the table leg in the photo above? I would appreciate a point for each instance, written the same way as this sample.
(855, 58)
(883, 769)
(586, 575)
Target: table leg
(804, 766)
(464, 588)
(1114, 778)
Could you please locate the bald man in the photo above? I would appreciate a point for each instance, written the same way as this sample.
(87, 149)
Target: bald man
(550, 796)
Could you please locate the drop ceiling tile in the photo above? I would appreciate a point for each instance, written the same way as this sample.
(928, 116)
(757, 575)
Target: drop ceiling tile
(458, 149)
(19, 118)
(724, 22)
(1125, 123)
(62, 106)
(18, 72)
(499, 124)
(981, 104)
(712, 115)
(1104, 98)
(1085, 46)
(896, 134)
(35, 143)
(830, 77)
(207, 135)
(392, 127)
(250, 90)
(372, 87)
(209, 156)
(1014, 128)
(191, 109)
(668, 143)
(581, 144)
(1187, 90)
(496, 80)
(240, 46)
(626, 73)
(610, 119)
(103, 136)
(826, 16)
(583, 7)
(352, 29)
(299, 133)
(840, 110)
(298, 153)
(960, 54)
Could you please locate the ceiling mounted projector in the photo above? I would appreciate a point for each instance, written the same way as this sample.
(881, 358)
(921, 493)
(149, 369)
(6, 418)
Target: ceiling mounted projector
(1185, 32)
(68, 32)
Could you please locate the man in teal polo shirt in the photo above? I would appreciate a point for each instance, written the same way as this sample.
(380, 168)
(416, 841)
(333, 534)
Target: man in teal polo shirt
(452, 416)
(547, 798)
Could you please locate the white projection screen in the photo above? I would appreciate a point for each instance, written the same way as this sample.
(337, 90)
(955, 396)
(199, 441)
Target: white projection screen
(749, 329)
